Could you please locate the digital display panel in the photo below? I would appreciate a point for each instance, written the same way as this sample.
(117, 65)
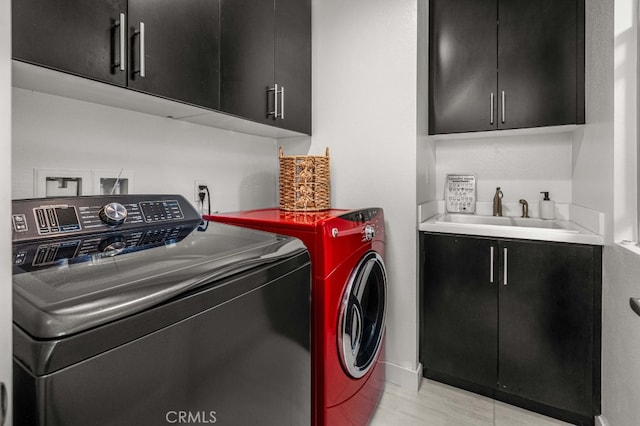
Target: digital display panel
(67, 218)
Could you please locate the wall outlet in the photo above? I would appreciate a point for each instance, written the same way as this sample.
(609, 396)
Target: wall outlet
(196, 189)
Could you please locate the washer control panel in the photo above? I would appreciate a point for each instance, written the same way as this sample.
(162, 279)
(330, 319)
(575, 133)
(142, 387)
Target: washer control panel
(35, 255)
(47, 218)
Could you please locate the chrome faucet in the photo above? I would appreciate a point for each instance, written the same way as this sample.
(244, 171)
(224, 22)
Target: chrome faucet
(525, 208)
(497, 203)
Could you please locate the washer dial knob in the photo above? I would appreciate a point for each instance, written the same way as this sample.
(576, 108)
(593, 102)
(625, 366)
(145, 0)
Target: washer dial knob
(113, 214)
(112, 245)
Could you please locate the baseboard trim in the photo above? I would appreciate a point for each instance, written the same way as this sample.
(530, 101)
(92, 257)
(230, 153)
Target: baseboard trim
(402, 376)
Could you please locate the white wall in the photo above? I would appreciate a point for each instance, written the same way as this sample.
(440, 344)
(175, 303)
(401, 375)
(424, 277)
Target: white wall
(604, 179)
(364, 109)
(593, 161)
(522, 166)
(163, 155)
(425, 148)
(5, 198)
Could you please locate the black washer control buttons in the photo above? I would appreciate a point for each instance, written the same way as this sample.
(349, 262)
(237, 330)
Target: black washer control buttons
(113, 214)
(19, 222)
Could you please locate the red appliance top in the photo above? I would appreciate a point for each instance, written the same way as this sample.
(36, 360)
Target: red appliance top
(280, 218)
(331, 236)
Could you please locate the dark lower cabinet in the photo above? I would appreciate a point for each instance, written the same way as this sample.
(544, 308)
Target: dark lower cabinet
(516, 320)
(548, 323)
(460, 301)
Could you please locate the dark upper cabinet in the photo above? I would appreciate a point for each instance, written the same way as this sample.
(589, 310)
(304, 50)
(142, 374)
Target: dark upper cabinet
(516, 320)
(181, 49)
(247, 58)
(293, 63)
(266, 44)
(180, 43)
(462, 65)
(498, 64)
(80, 37)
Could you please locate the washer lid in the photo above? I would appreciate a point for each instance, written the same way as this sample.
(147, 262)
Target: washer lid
(362, 315)
(66, 298)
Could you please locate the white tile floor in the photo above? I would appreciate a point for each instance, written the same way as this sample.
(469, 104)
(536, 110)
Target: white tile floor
(436, 404)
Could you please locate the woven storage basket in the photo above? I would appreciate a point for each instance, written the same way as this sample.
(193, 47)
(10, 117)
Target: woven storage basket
(304, 182)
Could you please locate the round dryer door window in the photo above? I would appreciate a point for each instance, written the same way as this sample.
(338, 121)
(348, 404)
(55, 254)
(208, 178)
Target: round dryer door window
(362, 313)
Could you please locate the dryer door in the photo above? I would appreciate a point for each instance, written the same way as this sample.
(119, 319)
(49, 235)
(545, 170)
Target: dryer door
(361, 324)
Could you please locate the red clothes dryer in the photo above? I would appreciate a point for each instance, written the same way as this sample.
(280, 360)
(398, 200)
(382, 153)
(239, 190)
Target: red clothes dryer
(349, 292)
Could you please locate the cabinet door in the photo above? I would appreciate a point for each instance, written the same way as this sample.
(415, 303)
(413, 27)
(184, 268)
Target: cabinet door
(459, 307)
(247, 59)
(546, 328)
(293, 63)
(81, 37)
(181, 49)
(538, 64)
(462, 65)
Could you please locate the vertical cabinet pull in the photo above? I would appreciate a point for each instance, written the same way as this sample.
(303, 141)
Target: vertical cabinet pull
(274, 89)
(506, 270)
(142, 61)
(503, 107)
(140, 33)
(492, 103)
(277, 93)
(491, 267)
(121, 24)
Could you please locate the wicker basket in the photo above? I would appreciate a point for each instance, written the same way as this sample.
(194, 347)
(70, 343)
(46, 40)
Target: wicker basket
(304, 182)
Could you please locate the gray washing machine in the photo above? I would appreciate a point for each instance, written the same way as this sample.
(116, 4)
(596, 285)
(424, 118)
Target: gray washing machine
(129, 310)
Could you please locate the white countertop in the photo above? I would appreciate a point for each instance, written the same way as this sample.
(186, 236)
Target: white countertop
(528, 229)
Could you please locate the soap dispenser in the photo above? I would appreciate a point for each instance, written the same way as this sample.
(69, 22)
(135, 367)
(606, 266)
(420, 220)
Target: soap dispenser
(547, 207)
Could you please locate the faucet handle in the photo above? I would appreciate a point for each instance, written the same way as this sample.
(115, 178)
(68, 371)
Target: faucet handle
(525, 207)
(497, 202)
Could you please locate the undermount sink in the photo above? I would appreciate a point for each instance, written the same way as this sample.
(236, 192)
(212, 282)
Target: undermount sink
(471, 219)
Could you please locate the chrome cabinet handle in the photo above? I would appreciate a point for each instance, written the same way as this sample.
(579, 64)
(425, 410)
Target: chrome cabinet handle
(505, 266)
(491, 267)
(274, 89)
(492, 104)
(142, 60)
(281, 103)
(277, 92)
(275, 101)
(122, 24)
(503, 108)
(140, 33)
(635, 304)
